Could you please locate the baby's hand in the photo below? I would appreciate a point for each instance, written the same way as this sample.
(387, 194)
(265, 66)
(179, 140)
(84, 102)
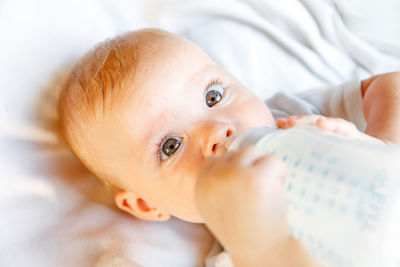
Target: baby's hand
(334, 125)
(241, 198)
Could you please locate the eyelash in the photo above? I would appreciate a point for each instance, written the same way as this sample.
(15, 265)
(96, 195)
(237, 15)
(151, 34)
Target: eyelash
(159, 146)
(165, 138)
(215, 81)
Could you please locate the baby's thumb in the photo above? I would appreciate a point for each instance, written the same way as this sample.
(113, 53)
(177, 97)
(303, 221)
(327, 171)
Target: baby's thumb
(272, 167)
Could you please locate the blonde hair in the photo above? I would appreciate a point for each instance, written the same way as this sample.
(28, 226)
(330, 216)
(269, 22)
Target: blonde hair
(96, 84)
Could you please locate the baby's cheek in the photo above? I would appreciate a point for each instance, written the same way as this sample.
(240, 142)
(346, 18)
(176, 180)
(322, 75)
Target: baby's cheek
(256, 114)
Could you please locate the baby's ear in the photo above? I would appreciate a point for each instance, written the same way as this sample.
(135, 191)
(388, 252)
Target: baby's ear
(137, 207)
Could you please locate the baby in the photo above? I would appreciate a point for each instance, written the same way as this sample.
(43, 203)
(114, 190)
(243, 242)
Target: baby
(145, 110)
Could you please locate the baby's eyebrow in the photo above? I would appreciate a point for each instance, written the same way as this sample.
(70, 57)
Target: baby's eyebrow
(201, 74)
(151, 140)
(153, 127)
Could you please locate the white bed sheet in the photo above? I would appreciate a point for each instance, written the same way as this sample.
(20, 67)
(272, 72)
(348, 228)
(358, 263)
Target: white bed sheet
(53, 211)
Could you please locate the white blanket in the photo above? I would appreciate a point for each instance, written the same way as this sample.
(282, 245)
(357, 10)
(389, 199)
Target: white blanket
(290, 44)
(53, 211)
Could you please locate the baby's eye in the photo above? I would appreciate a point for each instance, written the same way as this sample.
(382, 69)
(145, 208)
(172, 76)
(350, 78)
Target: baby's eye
(170, 146)
(214, 94)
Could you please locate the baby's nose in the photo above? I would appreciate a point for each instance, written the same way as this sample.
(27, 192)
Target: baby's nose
(219, 141)
(218, 149)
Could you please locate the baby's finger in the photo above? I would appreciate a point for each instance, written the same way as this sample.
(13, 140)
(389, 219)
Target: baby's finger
(345, 128)
(294, 121)
(271, 165)
(339, 126)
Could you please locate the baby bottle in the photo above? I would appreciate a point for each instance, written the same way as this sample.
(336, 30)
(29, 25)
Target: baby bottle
(343, 195)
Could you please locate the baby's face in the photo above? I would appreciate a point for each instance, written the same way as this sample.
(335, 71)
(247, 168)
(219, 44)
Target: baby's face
(181, 109)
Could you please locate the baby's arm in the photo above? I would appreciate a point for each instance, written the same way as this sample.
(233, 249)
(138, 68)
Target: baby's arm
(381, 106)
(240, 196)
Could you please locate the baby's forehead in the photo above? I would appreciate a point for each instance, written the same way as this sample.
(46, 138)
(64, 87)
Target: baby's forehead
(168, 87)
(175, 68)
